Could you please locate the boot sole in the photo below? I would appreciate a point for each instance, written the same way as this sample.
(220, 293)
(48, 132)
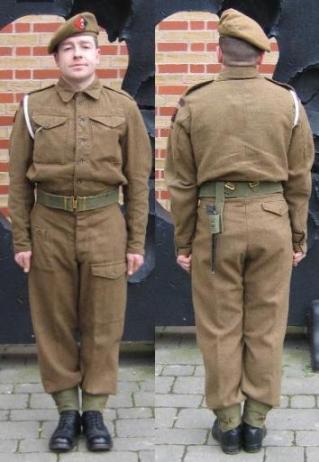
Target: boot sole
(100, 447)
(252, 449)
(61, 448)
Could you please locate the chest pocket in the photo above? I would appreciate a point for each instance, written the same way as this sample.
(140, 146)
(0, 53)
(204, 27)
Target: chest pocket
(50, 135)
(106, 133)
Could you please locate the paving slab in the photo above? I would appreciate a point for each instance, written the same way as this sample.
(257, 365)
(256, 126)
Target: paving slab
(184, 422)
(28, 415)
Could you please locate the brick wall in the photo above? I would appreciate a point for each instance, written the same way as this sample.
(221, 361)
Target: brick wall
(25, 66)
(185, 55)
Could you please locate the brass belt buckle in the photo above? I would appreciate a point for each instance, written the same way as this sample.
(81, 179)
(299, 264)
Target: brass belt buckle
(229, 185)
(253, 184)
(74, 202)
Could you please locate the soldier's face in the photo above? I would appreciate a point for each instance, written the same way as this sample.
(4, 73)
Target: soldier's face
(77, 57)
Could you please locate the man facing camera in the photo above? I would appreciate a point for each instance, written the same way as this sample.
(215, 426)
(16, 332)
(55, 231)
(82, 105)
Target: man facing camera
(73, 145)
(238, 170)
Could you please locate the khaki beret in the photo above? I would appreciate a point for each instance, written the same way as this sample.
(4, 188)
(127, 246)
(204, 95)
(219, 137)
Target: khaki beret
(235, 24)
(80, 24)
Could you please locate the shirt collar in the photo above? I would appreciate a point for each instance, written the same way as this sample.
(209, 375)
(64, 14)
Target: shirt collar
(238, 72)
(66, 92)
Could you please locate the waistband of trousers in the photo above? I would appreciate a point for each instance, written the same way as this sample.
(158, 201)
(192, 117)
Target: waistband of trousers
(239, 188)
(77, 203)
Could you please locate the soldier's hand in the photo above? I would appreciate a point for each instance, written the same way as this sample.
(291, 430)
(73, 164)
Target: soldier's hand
(184, 262)
(297, 257)
(23, 259)
(134, 262)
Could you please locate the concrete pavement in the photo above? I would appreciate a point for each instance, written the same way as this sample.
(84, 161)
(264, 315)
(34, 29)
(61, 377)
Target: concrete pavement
(28, 416)
(183, 422)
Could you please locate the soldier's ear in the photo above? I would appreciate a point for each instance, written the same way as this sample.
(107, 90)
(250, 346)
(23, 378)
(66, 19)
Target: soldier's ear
(56, 58)
(98, 54)
(220, 55)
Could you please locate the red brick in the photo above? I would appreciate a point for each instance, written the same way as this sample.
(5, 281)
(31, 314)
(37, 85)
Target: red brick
(162, 153)
(164, 195)
(274, 46)
(211, 46)
(107, 73)
(19, 97)
(6, 74)
(172, 89)
(267, 68)
(109, 49)
(23, 51)
(197, 68)
(167, 111)
(4, 167)
(6, 98)
(46, 74)
(22, 27)
(213, 68)
(6, 120)
(123, 50)
(4, 144)
(5, 51)
(40, 51)
(172, 68)
(212, 25)
(46, 27)
(22, 74)
(171, 47)
(197, 25)
(197, 47)
(4, 189)
(164, 132)
(122, 73)
(173, 25)
(6, 29)
(5, 212)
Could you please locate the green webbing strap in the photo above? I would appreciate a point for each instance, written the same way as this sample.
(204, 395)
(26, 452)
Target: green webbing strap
(220, 201)
(240, 188)
(77, 203)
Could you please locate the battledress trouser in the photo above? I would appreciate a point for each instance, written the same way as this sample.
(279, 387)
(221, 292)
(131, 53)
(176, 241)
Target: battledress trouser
(77, 289)
(241, 309)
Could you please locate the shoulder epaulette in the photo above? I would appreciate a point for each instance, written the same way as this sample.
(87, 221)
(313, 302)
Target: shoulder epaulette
(294, 97)
(41, 89)
(198, 85)
(121, 92)
(281, 84)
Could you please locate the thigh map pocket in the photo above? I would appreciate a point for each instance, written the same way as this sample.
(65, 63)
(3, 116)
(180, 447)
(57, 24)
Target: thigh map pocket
(108, 289)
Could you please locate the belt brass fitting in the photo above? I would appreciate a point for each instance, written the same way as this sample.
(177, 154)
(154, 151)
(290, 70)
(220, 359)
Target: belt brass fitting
(253, 184)
(74, 202)
(229, 185)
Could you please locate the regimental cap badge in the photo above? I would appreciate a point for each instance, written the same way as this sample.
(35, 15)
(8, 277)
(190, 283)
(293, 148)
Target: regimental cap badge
(80, 23)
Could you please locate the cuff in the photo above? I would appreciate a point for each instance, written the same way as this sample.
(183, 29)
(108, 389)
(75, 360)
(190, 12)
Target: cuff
(183, 251)
(300, 247)
(299, 242)
(135, 251)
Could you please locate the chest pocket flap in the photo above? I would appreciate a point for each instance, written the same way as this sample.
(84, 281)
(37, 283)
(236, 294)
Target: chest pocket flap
(48, 121)
(109, 121)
